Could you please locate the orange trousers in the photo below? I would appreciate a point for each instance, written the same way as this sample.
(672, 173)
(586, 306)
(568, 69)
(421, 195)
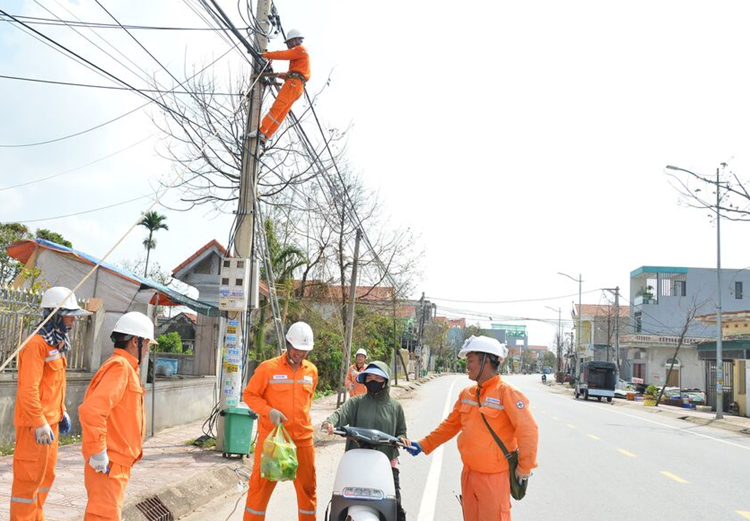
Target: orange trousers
(33, 474)
(261, 489)
(485, 497)
(290, 92)
(106, 492)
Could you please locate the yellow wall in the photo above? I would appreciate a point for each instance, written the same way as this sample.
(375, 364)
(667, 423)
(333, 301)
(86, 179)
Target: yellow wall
(736, 328)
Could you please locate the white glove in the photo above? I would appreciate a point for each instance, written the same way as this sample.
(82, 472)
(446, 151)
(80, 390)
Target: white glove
(276, 416)
(100, 462)
(44, 435)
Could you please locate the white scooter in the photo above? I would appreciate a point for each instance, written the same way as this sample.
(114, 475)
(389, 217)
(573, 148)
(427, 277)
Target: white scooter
(363, 489)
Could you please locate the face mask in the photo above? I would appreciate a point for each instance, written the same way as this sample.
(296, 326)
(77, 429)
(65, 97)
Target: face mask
(374, 387)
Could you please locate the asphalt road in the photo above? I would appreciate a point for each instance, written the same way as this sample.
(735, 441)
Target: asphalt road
(597, 462)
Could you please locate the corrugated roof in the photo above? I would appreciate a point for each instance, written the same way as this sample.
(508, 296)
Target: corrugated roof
(23, 250)
(203, 249)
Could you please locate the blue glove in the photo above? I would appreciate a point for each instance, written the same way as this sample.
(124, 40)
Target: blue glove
(415, 448)
(65, 424)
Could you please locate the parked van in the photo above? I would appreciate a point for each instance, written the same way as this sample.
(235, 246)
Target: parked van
(597, 380)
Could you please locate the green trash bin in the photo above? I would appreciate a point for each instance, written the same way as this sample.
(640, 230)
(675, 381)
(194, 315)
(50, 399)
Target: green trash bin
(238, 430)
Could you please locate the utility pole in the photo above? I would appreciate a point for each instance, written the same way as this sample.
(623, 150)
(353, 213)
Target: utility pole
(349, 323)
(420, 340)
(616, 293)
(719, 332)
(244, 234)
(396, 344)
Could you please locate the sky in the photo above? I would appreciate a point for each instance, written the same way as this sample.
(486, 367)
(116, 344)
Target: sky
(516, 139)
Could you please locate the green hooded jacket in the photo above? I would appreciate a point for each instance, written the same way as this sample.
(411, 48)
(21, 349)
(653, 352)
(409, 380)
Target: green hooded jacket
(373, 411)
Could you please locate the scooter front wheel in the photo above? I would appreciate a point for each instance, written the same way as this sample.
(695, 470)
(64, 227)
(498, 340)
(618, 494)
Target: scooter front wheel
(362, 513)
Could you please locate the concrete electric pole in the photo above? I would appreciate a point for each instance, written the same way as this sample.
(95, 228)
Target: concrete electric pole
(349, 323)
(231, 372)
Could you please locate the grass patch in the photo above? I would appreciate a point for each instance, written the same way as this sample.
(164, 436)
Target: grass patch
(322, 393)
(6, 449)
(69, 439)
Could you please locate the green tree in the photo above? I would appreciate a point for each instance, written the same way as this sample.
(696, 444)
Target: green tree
(47, 235)
(14, 232)
(285, 259)
(169, 343)
(550, 359)
(153, 222)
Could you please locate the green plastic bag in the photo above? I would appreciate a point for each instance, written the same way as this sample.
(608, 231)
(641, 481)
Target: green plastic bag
(278, 461)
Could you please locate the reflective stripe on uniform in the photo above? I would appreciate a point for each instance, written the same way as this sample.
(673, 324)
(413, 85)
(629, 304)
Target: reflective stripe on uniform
(256, 512)
(470, 402)
(308, 382)
(56, 356)
(493, 406)
(287, 381)
(309, 512)
(274, 120)
(21, 500)
(44, 489)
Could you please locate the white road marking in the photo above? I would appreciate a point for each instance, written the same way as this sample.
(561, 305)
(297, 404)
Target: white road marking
(664, 425)
(429, 497)
(678, 479)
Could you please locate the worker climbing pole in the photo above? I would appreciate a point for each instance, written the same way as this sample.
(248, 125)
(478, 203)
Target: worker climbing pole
(294, 83)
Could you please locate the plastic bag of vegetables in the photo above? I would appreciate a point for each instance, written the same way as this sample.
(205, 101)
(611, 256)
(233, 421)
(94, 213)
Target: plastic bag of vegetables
(278, 462)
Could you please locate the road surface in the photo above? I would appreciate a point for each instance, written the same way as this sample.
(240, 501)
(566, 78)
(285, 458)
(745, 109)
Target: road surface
(597, 462)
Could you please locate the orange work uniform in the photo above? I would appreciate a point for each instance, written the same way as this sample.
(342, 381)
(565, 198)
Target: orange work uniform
(113, 418)
(40, 399)
(485, 484)
(291, 91)
(276, 386)
(352, 386)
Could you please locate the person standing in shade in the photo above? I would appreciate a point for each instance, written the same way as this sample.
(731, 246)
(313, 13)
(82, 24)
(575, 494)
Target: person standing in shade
(353, 387)
(40, 414)
(113, 418)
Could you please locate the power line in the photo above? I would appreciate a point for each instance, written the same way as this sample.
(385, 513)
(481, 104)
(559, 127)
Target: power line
(2, 189)
(35, 20)
(511, 301)
(109, 74)
(109, 87)
(85, 211)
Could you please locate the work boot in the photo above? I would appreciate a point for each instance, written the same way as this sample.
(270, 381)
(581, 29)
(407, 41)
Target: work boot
(259, 135)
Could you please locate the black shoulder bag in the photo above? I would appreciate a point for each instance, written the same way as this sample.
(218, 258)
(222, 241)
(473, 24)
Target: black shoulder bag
(517, 489)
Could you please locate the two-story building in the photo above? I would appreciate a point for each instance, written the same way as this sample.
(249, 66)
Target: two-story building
(665, 303)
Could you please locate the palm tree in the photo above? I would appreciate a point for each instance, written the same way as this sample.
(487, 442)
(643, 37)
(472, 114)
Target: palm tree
(153, 222)
(284, 260)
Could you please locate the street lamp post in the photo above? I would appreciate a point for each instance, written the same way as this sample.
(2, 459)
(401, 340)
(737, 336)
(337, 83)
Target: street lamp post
(580, 309)
(719, 332)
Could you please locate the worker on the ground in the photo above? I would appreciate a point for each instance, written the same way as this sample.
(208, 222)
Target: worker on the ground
(281, 391)
(375, 410)
(294, 83)
(353, 387)
(485, 481)
(113, 418)
(40, 414)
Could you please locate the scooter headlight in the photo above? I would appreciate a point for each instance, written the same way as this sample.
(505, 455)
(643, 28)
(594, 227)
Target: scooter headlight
(371, 494)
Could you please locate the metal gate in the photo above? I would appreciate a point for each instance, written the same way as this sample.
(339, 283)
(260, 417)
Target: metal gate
(728, 384)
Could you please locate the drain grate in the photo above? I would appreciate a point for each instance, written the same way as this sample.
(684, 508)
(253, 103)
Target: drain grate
(155, 510)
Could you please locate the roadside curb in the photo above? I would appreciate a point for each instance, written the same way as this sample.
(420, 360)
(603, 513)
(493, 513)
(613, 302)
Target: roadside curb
(188, 495)
(668, 411)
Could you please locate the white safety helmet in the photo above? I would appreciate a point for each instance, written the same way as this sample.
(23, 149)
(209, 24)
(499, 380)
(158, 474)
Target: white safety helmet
(300, 335)
(361, 352)
(293, 33)
(136, 324)
(483, 344)
(66, 299)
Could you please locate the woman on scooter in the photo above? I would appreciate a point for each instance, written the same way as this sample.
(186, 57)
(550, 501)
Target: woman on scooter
(374, 410)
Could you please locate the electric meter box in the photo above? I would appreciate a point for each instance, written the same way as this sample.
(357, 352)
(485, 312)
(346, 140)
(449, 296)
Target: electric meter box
(234, 284)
